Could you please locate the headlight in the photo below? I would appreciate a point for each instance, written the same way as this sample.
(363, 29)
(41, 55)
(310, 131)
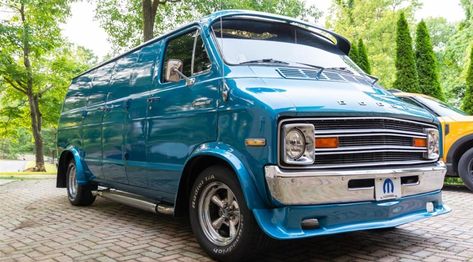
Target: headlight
(433, 143)
(298, 144)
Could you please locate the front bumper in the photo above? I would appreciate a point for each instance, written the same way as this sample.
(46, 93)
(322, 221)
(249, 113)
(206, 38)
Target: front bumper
(285, 222)
(325, 187)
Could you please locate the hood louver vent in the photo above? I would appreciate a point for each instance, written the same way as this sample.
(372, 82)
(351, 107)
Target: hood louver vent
(296, 73)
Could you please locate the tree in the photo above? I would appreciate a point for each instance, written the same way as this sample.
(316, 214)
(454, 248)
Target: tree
(468, 98)
(354, 53)
(454, 58)
(26, 37)
(363, 61)
(129, 22)
(407, 78)
(426, 63)
(351, 19)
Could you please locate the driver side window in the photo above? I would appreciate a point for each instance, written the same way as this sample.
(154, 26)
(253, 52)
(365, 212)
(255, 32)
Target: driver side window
(182, 49)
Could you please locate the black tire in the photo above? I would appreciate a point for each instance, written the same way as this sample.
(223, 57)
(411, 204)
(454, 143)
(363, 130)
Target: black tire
(82, 194)
(248, 239)
(465, 168)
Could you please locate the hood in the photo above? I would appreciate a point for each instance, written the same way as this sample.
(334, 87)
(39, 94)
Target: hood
(325, 98)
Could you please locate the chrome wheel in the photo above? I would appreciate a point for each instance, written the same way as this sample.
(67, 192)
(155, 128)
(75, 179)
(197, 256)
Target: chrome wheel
(72, 182)
(219, 214)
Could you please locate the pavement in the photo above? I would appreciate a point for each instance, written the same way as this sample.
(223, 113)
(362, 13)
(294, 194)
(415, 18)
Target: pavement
(12, 165)
(37, 223)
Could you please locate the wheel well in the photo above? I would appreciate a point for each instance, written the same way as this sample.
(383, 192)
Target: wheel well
(459, 152)
(190, 173)
(65, 158)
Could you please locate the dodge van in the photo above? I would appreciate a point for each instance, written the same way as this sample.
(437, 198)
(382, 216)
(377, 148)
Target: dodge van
(256, 127)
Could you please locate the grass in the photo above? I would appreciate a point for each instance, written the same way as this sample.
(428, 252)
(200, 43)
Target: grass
(453, 181)
(50, 172)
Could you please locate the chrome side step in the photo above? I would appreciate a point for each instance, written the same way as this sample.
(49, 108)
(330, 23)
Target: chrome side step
(135, 201)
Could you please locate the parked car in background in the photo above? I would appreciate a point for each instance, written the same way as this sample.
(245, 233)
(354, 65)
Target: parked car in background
(254, 125)
(457, 134)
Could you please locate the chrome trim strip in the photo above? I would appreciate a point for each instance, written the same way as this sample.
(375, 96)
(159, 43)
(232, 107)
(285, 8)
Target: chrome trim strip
(324, 187)
(371, 134)
(368, 149)
(372, 164)
(363, 131)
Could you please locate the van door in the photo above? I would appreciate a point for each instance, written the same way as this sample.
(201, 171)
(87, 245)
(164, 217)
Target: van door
(92, 123)
(115, 119)
(185, 115)
(142, 81)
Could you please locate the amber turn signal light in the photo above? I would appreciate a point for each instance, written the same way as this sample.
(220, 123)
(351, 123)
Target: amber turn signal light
(419, 142)
(326, 142)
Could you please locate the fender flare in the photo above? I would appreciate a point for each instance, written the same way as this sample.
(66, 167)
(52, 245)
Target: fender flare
(453, 149)
(236, 161)
(82, 176)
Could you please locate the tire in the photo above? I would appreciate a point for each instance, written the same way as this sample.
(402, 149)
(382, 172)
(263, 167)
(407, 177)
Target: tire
(465, 168)
(78, 195)
(221, 244)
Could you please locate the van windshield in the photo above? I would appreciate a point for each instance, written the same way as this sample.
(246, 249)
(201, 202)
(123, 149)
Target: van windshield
(247, 41)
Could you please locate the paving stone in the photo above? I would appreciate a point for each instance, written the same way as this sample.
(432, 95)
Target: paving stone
(37, 223)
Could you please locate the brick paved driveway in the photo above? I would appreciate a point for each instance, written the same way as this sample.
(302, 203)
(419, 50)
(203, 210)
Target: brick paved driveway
(37, 223)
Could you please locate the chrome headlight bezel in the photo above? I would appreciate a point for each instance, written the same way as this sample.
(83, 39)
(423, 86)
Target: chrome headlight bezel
(433, 143)
(308, 155)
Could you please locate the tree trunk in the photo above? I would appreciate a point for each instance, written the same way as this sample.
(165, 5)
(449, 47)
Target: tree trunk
(148, 20)
(149, 9)
(36, 127)
(32, 98)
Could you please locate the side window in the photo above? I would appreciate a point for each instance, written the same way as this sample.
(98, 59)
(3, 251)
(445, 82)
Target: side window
(180, 48)
(201, 59)
(190, 50)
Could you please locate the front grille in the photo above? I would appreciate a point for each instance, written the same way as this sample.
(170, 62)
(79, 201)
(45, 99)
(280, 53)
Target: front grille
(346, 141)
(377, 123)
(346, 159)
(371, 141)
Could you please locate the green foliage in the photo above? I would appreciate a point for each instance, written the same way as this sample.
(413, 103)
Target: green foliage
(36, 66)
(468, 98)
(373, 21)
(354, 53)
(406, 72)
(426, 63)
(363, 61)
(123, 22)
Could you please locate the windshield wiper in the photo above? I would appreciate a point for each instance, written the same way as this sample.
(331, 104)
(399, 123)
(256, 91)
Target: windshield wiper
(265, 61)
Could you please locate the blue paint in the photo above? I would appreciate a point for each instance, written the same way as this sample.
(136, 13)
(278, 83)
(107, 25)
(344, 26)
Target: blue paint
(129, 129)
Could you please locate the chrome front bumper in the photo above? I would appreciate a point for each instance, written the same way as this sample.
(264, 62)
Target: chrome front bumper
(324, 187)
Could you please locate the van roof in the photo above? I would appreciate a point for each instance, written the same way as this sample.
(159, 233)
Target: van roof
(339, 41)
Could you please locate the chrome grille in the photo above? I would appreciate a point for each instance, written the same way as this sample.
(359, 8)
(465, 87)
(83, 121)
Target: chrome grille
(363, 141)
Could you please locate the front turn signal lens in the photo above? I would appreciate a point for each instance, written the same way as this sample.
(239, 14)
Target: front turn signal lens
(419, 142)
(326, 142)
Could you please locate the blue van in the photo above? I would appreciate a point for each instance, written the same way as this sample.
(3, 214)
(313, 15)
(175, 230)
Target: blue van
(257, 127)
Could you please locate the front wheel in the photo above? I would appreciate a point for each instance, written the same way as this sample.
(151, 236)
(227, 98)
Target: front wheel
(465, 168)
(79, 195)
(222, 223)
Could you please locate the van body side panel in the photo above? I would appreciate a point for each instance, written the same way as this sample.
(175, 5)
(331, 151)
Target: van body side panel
(92, 123)
(141, 83)
(115, 120)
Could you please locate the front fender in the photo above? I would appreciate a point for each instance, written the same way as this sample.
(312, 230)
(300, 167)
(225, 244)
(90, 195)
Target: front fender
(237, 161)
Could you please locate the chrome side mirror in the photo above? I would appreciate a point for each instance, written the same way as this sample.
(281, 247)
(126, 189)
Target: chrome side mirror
(174, 72)
(173, 68)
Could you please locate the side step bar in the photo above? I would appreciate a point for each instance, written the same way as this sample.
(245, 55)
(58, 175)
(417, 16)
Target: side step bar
(135, 201)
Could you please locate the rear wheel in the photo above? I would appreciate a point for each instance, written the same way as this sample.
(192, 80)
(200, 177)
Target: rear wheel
(465, 168)
(79, 195)
(222, 223)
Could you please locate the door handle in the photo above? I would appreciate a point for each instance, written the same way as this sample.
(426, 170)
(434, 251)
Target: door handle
(104, 108)
(153, 99)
